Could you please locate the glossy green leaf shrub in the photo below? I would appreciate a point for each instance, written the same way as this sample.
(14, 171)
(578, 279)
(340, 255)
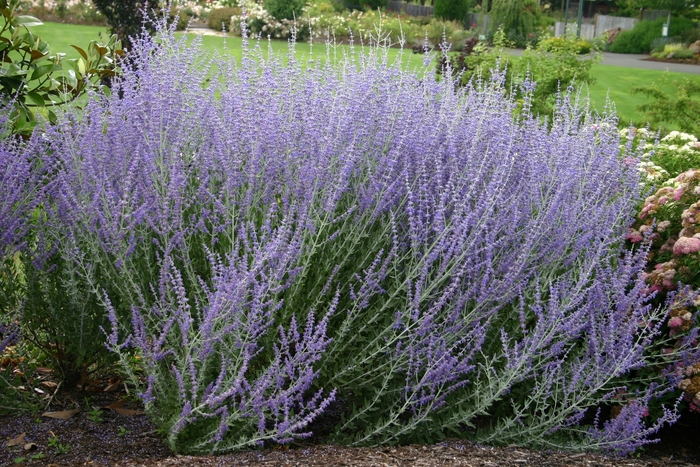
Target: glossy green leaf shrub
(33, 77)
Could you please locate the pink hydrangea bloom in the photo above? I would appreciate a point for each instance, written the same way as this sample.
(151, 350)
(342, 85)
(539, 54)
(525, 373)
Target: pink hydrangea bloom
(678, 193)
(675, 322)
(686, 245)
(634, 236)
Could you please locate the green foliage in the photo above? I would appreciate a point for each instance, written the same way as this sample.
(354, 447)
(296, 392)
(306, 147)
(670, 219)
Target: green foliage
(58, 447)
(228, 3)
(683, 54)
(32, 77)
(519, 19)
(690, 35)
(125, 18)
(95, 415)
(451, 10)
(374, 4)
(554, 65)
(681, 110)
(557, 44)
(62, 317)
(221, 18)
(180, 18)
(554, 69)
(286, 9)
(632, 7)
(639, 40)
(17, 370)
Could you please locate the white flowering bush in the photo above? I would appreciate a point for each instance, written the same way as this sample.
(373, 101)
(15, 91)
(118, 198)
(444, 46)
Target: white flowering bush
(673, 154)
(260, 22)
(320, 19)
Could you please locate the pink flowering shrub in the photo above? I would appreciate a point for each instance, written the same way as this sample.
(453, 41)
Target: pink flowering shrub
(670, 218)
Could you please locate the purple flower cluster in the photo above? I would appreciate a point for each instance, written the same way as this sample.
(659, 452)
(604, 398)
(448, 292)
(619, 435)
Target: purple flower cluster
(18, 185)
(270, 238)
(21, 187)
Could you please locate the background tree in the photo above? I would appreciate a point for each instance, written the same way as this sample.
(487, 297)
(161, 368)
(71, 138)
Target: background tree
(518, 18)
(453, 10)
(285, 9)
(681, 110)
(633, 7)
(125, 17)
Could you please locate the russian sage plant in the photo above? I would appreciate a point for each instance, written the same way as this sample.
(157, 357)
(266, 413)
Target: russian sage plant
(272, 238)
(19, 185)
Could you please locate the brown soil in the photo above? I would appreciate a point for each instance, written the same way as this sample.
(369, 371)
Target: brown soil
(99, 436)
(688, 61)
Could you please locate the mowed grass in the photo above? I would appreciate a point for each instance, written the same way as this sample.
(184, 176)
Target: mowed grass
(613, 81)
(617, 83)
(61, 36)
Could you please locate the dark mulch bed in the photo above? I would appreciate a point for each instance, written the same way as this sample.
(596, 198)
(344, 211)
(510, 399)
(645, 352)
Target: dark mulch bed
(97, 435)
(688, 61)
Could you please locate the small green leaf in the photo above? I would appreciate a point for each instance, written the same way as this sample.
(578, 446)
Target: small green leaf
(41, 71)
(37, 54)
(71, 78)
(27, 20)
(102, 51)
(28, 38)
(36, 98)
(80, 51)
(14, 70)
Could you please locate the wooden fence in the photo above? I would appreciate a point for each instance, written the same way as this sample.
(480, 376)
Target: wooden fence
(410, 8)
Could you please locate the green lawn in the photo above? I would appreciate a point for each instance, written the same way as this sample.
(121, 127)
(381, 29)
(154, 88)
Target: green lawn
(616, 82)
(61, 36)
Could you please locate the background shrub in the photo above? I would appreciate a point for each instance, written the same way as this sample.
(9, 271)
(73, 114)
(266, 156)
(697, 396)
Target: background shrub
(219, 18)
(285, 9)
(554, 65)
(374, 4)
(520, 20)
(125, 18)
(683, 54)
(639, 39)
(556, 44)
(688, 36)
(680, 109)
(182, 18)
(451, 10)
